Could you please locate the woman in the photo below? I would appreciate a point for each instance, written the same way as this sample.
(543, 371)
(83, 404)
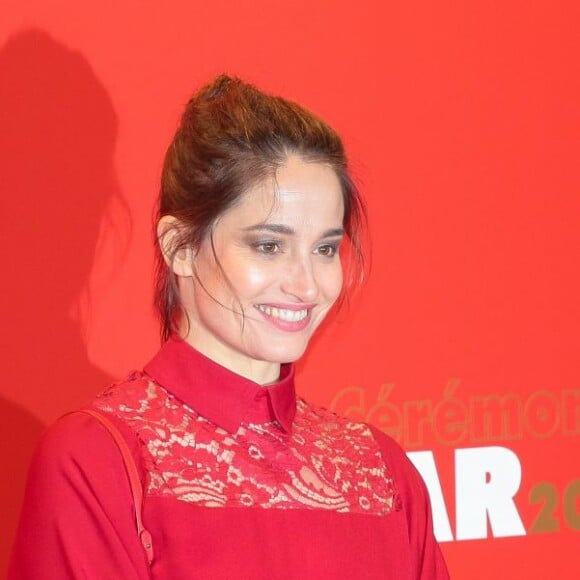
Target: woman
(241, 479)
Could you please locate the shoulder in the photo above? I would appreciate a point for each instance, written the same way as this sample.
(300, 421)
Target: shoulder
(77, 441)
(367, 438)
(78, 509)
(75, 462)
(361, 439)
(408, 479)
(73, 436)
(353, 438)
(137, 400)
(324, 420)
(73, 447)
(415, 503)
(133, 392)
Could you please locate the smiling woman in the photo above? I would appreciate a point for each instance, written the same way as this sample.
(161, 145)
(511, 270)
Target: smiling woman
(255, 290)
(230, 474)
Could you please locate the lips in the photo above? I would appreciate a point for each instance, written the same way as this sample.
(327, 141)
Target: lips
(288, 317)
(283, 313)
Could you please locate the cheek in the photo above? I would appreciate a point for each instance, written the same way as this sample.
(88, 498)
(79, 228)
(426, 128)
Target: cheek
(331, 283)
(249, 280)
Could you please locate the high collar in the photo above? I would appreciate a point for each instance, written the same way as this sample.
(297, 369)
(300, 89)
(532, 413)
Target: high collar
(218, 394)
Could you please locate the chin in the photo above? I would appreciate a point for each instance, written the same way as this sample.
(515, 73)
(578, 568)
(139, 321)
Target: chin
(281, 353)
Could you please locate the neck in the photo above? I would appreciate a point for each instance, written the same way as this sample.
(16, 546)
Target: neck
(258, 371)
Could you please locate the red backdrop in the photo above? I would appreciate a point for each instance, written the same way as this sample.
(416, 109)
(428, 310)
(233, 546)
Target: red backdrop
(462, 121)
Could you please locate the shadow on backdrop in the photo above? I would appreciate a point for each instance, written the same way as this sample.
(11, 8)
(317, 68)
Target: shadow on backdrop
(58, 130)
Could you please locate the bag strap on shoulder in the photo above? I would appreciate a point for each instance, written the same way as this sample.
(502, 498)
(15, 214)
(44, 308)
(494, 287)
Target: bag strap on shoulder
(134, 479)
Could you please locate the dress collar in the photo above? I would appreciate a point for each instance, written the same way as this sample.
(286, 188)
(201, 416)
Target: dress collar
(218, 394)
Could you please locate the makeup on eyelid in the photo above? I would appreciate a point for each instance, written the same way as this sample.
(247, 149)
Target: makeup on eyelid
(271, 248)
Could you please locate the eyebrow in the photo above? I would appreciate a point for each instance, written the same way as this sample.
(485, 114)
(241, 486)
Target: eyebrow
(288, 231)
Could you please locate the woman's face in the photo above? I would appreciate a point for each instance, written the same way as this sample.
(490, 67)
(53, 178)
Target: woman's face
(277, 272)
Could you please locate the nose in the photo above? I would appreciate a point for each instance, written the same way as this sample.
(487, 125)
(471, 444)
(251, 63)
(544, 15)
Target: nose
(300, 280)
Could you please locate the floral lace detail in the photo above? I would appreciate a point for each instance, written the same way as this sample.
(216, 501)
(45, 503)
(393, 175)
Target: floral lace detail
(326, 462)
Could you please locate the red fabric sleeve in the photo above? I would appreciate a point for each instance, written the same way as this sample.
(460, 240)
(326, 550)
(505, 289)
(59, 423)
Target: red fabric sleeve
(78, 517)
(429, 562)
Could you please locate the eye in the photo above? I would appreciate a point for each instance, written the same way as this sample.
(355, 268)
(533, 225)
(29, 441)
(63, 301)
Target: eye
(327, 250)
(267, 247)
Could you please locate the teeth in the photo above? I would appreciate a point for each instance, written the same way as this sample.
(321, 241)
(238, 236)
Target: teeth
(283, 314)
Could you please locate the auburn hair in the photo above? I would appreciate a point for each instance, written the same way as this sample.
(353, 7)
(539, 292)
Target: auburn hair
(231, 137)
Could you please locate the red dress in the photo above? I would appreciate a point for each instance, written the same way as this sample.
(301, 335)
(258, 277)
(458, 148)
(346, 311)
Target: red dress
(240, 481)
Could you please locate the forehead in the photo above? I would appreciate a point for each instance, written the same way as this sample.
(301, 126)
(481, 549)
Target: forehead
(301, 194)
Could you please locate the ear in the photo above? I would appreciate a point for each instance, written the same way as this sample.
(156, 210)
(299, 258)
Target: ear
(167, 236)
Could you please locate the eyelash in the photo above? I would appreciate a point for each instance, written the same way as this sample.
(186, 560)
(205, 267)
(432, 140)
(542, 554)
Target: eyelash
(275, 246)
(333, 250)
(260, 247)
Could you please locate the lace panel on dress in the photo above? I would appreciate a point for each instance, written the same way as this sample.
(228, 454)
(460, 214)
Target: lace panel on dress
(326, 462)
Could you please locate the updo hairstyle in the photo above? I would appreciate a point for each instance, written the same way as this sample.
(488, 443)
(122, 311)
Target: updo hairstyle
(231, 137)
